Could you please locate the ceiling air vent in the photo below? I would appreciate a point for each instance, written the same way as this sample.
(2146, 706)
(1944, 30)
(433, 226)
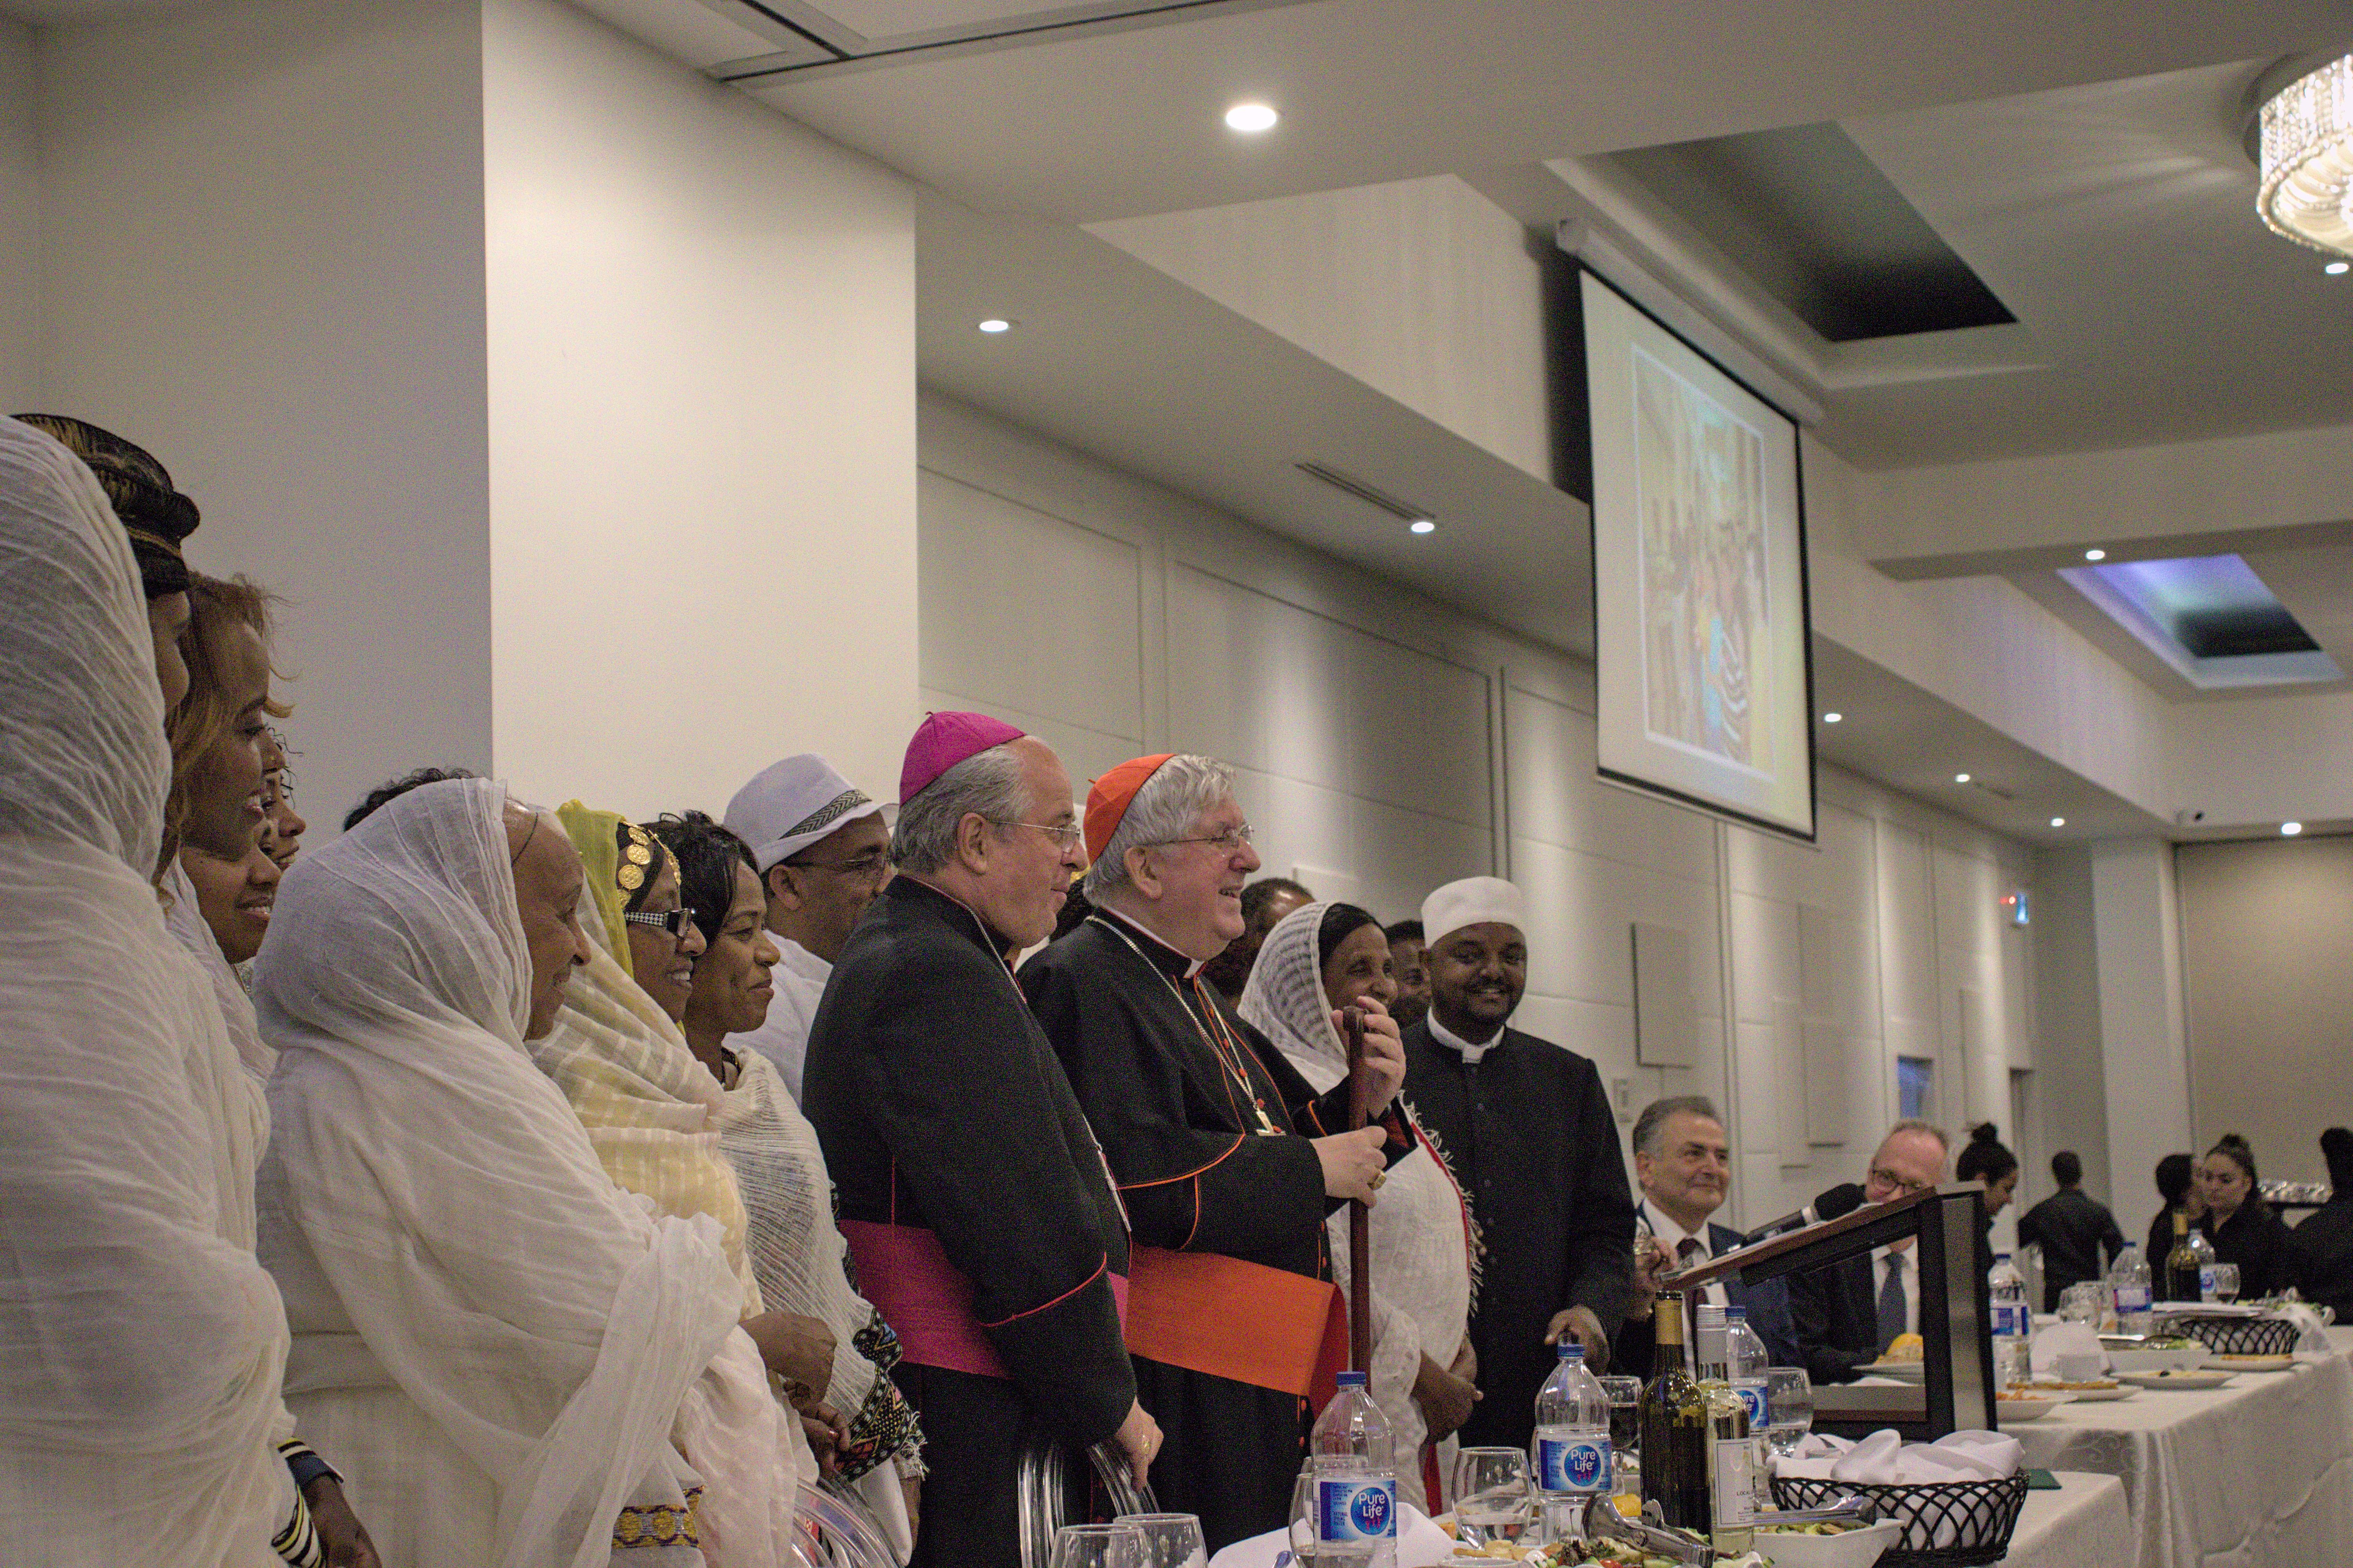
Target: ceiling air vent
(1372, 496)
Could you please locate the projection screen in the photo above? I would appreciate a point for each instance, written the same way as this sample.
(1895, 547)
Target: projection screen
(1701, 648)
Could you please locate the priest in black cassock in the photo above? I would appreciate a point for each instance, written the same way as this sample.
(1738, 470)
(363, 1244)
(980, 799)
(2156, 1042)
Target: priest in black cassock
(1529, 1129)
(1228, 1162)
(975, 1202)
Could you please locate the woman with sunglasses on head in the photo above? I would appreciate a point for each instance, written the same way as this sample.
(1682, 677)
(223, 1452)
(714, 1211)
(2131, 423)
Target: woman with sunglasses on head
(796, 1252)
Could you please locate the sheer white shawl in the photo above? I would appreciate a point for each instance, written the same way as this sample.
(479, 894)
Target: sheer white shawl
(141, 1345)
(443, 1226)
(1420, 1234)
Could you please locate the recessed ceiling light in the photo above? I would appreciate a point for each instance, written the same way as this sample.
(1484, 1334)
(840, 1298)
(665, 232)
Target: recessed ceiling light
(2290, 829)
(996, 324)
(1422, 525)
(2096, 555)
(1961, 778)
(1251, 117)
(2058, 822)
(1832, 718)
(2339, 268)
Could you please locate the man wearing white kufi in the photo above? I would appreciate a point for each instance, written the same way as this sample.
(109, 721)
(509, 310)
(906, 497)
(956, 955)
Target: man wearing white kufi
(823, 852)
(1535, 1145)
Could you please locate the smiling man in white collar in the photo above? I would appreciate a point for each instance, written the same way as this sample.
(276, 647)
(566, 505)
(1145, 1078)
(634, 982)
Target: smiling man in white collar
(1227, 1159)
(822, 853)
(1534, 1146)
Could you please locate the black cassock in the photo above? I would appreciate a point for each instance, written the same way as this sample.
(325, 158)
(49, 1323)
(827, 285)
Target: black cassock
(1535, 1145)
(1199, 1173)
(942, 1106)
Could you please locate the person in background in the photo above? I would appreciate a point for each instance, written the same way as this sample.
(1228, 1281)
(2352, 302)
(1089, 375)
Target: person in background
(282, 825)
(1683, 1162)
(1264, 902)
(1410, 964)
(1532, 1140)
(1227, 1159)
(2244, 1229)
(393, 789)
(822, 852)
(1846, 1314)
(633, 898)
(2078, 1235)
(973, 1195)
(1319, 960)
(1986, 1158)
(235, 898)
(2176, 1183)
(2321, 1247)
(797, 1254)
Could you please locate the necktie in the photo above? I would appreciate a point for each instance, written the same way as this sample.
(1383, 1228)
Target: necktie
(1890, 1300)
(1686, 1250)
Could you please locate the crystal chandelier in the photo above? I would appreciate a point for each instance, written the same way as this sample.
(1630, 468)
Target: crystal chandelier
(2306, 131)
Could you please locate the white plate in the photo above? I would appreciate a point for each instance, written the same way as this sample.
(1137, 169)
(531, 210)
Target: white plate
(2122, 1362)
(2009, 1410)
(1905, 1370)
(2209, 1379)
(2251, 1363)
(2088, 1395)
(1856, 1549)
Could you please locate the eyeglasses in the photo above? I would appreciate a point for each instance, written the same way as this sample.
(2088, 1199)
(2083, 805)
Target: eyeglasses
(1883, 1177)
(674, 921)
(1065, 835)
(1232, 841)
(862, 867)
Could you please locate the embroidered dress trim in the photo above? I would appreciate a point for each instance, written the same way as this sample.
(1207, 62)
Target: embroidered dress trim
(665, 1524)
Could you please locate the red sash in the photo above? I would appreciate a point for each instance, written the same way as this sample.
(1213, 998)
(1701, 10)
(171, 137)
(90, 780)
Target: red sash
(926, 1300)
(1266, 1327)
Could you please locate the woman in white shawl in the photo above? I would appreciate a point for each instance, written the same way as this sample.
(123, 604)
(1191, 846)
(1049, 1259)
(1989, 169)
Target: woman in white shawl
(1319, 959)
(512, 1361)
(141, 1345)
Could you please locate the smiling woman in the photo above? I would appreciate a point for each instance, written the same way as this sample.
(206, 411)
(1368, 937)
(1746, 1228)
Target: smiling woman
(220, 731)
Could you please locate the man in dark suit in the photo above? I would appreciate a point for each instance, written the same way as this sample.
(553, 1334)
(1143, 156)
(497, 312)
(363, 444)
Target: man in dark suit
(1846, 1314)
(2321, 1248)
(1683, 1162)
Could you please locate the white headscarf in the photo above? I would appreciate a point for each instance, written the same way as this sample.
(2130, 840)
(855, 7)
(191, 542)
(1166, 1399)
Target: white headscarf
(439, 1189)
(1421, 1240)
(141, 1345)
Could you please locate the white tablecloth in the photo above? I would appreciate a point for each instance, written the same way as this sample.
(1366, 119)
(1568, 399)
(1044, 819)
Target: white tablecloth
(2086, 1523)
(2256, 1475)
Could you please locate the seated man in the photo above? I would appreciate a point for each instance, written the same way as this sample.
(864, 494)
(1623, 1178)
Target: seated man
(1846, 1315)
(1683, 1162)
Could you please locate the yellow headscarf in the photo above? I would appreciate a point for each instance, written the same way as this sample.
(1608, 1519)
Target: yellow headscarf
(615, 876)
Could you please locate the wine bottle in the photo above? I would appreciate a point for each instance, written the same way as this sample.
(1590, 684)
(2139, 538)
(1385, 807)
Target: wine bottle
(1675, 1433)
(2181, 1263)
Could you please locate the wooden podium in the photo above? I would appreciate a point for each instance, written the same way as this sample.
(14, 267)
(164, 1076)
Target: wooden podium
(1958, 1390)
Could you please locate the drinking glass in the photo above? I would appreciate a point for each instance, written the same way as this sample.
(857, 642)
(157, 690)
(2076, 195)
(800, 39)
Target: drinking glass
(1625, 1434)
(1491, 1495)
(1170, 1540)
(1788, 1407)
(1099, 1546)
(2226, 1282)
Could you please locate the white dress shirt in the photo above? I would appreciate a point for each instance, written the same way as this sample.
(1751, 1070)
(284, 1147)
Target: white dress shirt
(783, 1037)
(1672, 1235)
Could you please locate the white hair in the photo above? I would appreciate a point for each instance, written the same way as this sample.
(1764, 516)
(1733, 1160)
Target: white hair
(987, 783)
(1166, 807)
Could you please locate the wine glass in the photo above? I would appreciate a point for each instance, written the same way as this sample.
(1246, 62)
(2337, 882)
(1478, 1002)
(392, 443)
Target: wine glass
(1170, 1540)
(1099, 1546)
(1788, 1407)
(1491, 1495)
(1625, 1434)
(2226, 1282)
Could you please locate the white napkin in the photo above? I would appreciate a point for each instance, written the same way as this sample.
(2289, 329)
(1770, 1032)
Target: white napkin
(2311, 1337)
(2069, 1351)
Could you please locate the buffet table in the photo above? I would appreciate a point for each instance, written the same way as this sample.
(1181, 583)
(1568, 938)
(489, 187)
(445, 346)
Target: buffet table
(2086, 1523)
(2258, 1473)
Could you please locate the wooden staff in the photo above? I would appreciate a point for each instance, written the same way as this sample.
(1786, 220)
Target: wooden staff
(1360, 1237)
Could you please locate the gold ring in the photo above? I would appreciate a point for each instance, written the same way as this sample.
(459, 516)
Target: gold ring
(1378, 1177)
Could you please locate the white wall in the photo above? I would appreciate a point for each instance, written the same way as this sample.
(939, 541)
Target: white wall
(1387, 743)
(20, 204)
(2137, 922)
(2068, 1036)
(702, 427)
(262, 259)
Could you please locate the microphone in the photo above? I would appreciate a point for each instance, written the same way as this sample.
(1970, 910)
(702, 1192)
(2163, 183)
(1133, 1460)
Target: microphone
(1836, 1204)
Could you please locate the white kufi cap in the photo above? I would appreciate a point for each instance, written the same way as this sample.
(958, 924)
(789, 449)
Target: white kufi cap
(1473, 900)
(791, 805)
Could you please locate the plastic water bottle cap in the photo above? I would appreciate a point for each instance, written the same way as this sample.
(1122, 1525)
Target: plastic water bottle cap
(1350, 1380)
(1571, 1350)
(1735, 1314)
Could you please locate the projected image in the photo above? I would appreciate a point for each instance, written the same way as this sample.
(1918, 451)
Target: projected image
(1699, 483)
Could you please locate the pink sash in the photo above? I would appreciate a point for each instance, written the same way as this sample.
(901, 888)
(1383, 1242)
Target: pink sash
(926, 1300)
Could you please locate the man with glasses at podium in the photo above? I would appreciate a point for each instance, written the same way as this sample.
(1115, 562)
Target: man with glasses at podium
(1848, 1313)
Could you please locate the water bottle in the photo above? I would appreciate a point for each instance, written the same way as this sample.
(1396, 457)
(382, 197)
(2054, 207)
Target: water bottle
(2204, 1248)
(1570, 1453)
(1746, 1358)
(2011, 1324)
(1355, 1495)
(2128, 1284)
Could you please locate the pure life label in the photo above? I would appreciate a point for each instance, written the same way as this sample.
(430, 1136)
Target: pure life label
(1572, 1464)
(1348, 1510)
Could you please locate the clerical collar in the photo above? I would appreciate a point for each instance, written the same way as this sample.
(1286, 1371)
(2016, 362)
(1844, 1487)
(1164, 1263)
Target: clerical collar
(991, 940)
(1159, 952)
(1454, 1042)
